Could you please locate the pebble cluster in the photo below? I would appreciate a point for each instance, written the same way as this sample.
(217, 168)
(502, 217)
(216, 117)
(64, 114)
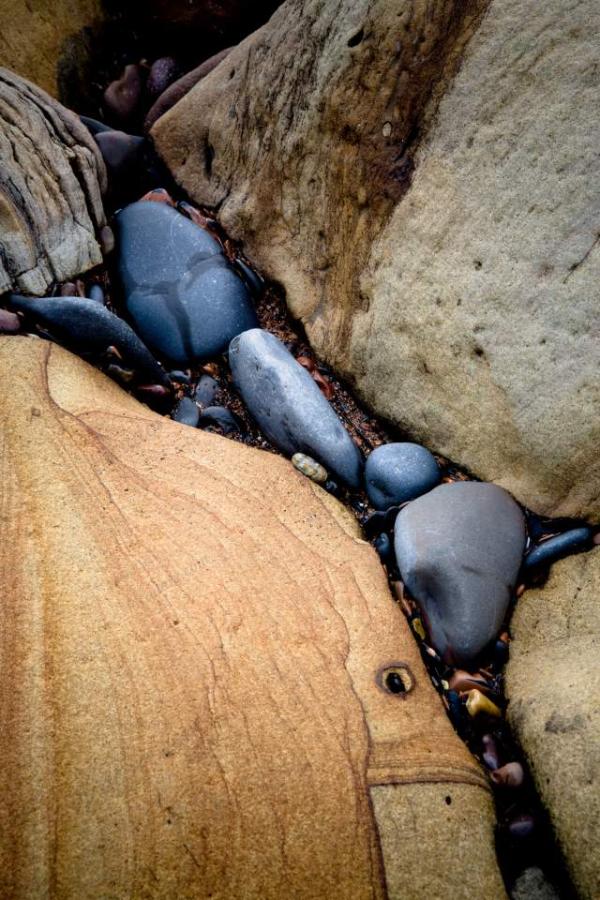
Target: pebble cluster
(456, 550)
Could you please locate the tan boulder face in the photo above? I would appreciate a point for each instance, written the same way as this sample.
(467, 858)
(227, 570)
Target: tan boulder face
(553, 685)
(437, 235)
(194, 648)
(33, 35)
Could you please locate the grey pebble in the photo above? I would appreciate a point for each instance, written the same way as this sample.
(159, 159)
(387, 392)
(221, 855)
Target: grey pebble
(572, 541)
(185, 299)
(459, 550)
(395, 473)
(96, 294)
(289, 407)
(220, 417)
(186, 412)
(206, 390)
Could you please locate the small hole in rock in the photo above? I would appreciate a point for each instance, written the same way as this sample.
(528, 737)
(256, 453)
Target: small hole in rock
(356, 38)
(448, 800)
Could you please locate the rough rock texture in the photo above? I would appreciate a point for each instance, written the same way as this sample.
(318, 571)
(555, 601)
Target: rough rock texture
(51, 179)
(438, 237)
(33, 35)
(553, 684)
(194, 641)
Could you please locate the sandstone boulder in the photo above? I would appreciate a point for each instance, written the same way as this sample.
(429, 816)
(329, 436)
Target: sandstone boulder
(423, 180)
(51, 180)
(195, 643)
(553, 684)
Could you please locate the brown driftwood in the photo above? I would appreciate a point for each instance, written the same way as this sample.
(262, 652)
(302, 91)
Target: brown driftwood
(192, 645)
(51, 179)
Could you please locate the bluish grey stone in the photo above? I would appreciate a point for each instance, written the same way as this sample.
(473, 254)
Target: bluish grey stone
(395, 473)
(206, 391)
(222, 418)
(91, 328)
(96, 293)
(185, 299)
(554, 548)
(186, 412)
(289, 407)
(459, 550)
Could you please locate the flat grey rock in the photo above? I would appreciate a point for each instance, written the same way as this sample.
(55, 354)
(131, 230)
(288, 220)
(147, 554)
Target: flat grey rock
(289, 407)
(459, 549)
(184, 298)
(395, 473)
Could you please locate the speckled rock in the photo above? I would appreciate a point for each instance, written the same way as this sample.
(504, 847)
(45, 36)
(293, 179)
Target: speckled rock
(553, 687)
(184, 297)
(395, 473)
(288, 405)
(459, 550)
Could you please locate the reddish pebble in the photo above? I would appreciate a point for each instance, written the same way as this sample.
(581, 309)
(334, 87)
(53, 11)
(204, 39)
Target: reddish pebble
(596, 538)
(107, 239)
(163, 72)
(10, 323)
(122, 97)
(510, 775)
(491, 753)
(159, 195)
(153, 390)
(68, 289)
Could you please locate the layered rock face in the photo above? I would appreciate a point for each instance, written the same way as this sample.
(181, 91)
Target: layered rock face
(195, 648)
(452, 147)
(553, 684)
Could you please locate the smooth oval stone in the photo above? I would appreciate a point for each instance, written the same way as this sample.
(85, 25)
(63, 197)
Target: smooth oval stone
(309, 467)
(186, 412)
(222, 418)
(572, 541)
(289, 407)
(459, 550)
(395, 473)
(185, 299)
(96, 293)
(91, 327)
(206, 390)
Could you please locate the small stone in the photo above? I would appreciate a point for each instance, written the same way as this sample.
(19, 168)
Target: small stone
(459, 550)
(221, 418)
(462, 681)
(179, 376)
(122, 154)
(183, 296)
(384, 547)
(532, 884)
(309, 467)
(122, 97)
(186, 412)
(206, 390)
(96, 293)
(396, 473)
(491, 752)
(163, 72)
(573, 541)
(253, 281)
(289, 407)
(332, 487)
(68, 289)
(107, 239)
(9, 322)
(480, 705)
(91, 328)
(522, 826)
(510, 775)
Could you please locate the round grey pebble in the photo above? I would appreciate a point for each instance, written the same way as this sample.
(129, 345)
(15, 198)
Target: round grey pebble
(396, 473)
(186, 412)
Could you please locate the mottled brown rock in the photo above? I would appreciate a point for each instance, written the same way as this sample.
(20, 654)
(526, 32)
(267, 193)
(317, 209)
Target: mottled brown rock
(194, 643)
(51, 179)
(423, 180)
(553, 684)
(34, 35)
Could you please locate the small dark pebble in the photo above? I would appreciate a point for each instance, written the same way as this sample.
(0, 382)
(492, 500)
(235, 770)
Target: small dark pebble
(500, 654)
(186, 412)
(122, 97)
(384, 547)
(491, 752)
(163, 72)
(456, 711)
(124, 376)
(121, 153)
(522, 826)
(573, 541)
(222, 418)
(332, 487)
(96, 293)
(106, 239)
(179, 376)
(10, 323)
(94, 126)
(254, 282)
(206, 390)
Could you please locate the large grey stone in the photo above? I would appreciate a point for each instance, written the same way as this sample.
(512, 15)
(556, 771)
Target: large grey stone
(431, 208)
(459, 549)
(288, 405)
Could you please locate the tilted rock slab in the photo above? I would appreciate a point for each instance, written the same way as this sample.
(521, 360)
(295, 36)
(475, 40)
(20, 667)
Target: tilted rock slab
(51, 180)
(194, 646)
(424, 181)
(553, 684)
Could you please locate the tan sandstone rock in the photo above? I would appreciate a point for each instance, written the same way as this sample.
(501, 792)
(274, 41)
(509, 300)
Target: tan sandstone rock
(423, 179)
(193, 651)
(553, 684)
(51, 180)
(33, 35)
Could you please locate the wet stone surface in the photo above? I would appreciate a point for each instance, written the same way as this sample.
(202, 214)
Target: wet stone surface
(398, 472)
(182, 294)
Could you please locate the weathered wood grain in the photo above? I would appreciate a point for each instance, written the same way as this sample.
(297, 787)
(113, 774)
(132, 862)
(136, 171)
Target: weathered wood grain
(192, 635)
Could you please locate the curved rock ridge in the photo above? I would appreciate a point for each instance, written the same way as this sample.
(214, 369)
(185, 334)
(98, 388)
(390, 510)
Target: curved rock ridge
(195, 642)
(553, 684)
(424, 182)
